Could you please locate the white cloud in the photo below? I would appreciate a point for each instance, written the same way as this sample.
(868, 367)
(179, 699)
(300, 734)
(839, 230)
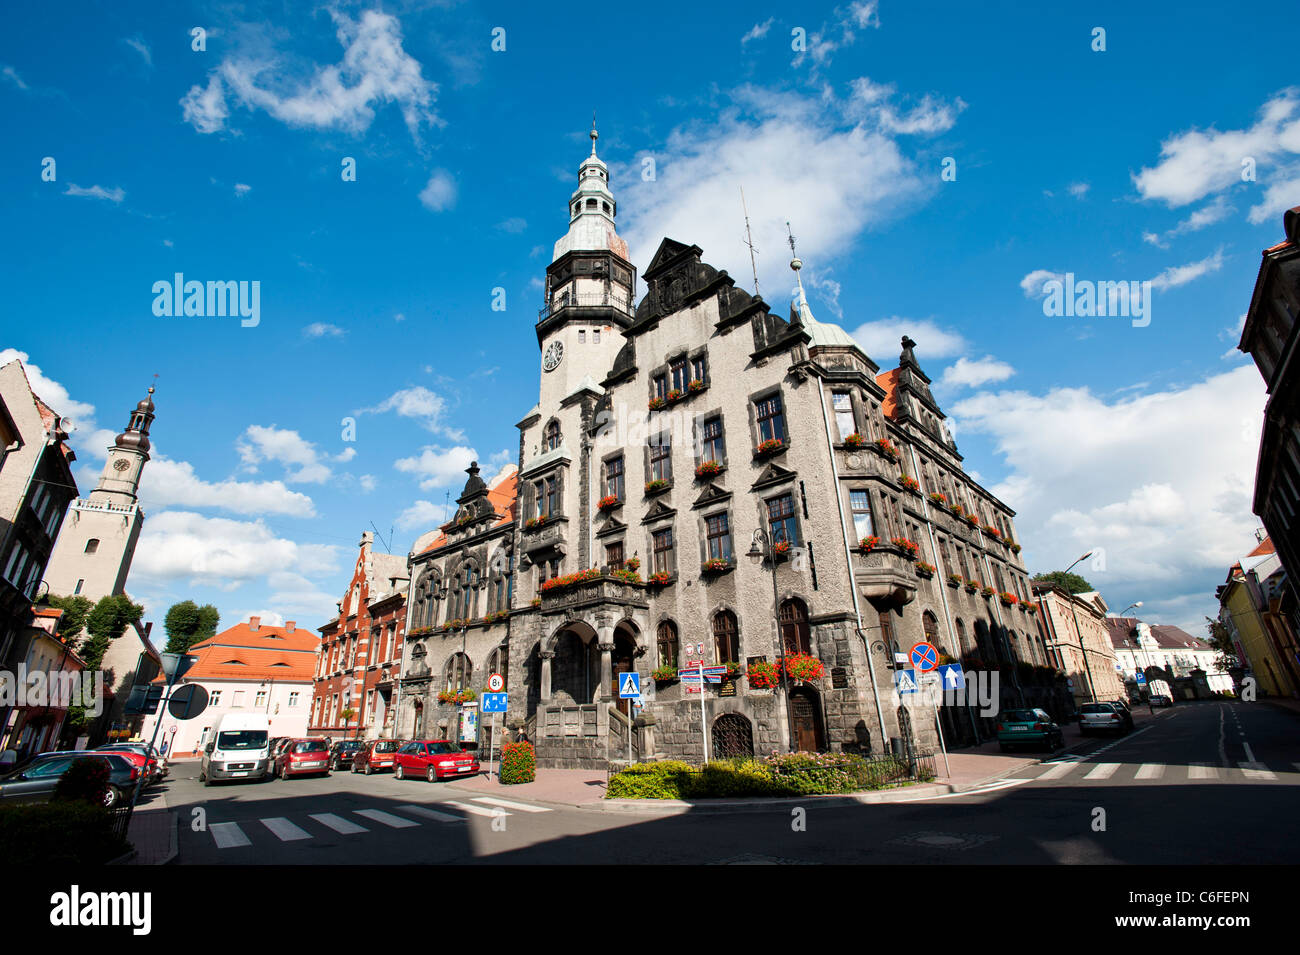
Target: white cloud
(1161, 481)
(851, 176)
(422, 514)
(439, 193)
(1281, 195)
(513, 225)
(268, 618)
(96, 192)
(437, 467)
(1194, 164)
(12, 76)
(368, 482)
(220, 552)
(968, 373)
(166, 482)
(1182, 274)
(242, 189)
(418, 403)
(1207, 215)
(757, 31)
(300, 457)
(882, 340)
(321, 330)
(1032, 284)
(1078, 189)
(375, 70)
(840, 32)
(140, 47)
(930, 116)
(49, 390)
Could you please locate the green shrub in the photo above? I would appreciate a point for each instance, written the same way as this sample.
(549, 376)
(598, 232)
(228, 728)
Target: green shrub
(86, 780)
(793, 774)
(518, 763)
(663, 780)
(57, 834)
(736, 777)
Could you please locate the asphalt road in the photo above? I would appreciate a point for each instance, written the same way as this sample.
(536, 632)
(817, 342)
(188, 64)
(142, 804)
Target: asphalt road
(1204, 783)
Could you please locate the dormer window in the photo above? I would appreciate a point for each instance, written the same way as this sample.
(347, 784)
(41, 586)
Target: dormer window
(551, 441)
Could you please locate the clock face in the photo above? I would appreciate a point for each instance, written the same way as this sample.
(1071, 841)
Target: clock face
(554, 355)
(121, 464)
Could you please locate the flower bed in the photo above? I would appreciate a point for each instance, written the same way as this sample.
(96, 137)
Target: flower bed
(924, 569)
(988, 592)
(937, 498)
(781, 548)
(608, 502)
(627, 575)
(992, 531)
(1030, 609)
(788, 774)
(633, 564)
(1008, 599)
(763, 675)
(661, 579)
(696, 385)
(910, 483)
(709, 469)
(887, 449)
(954, 580)
(420, 632)
(716, 565)
(804, 666)
(972, 586)
(655, 404)
(557, 584)
(518, 764)
(653, 487)
(769, 447)
(1015, 548)
(908, 547)
(868, 544)
(854, 441)
(536, 601)
(456, 696)
(675, 394)
(535, 522)
(497, 617)
(664, 675)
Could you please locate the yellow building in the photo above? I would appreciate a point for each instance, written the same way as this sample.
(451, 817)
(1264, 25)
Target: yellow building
(1264, 648)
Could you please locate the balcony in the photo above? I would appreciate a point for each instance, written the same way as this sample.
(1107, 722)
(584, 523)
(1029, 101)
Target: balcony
(604, 589)
(586, 300)
(885, 574)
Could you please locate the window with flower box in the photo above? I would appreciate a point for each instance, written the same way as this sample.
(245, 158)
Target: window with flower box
(663, 556)
(717, 531)
(659, 387)
(714, 447)
(860, 505)
(614, 554)
(613, 484)
(457, 673)
(843, 404)
(700, 368)
(782, 524)
(661, 457)
(678, 370)
(546, 497)
(795, 634)
(770, 417)
(726, 637)
(667, 643)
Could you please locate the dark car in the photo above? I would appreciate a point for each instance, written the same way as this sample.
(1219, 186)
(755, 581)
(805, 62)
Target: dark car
(35, 780)
(155, 765)
(341, 753)
(303, 757)
(1161, 700)
(375, 754)
(1028, 727)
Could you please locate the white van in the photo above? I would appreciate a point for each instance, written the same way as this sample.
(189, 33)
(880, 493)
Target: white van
(238, 749)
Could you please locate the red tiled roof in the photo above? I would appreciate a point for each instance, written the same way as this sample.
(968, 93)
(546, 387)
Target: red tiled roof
(504, 498)
(266, 653)
(1265, 547)
(889, 381)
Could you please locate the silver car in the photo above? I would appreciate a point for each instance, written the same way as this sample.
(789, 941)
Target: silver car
(1104, 718)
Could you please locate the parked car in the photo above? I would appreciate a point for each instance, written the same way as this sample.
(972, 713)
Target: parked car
(303, 757)
(1104, 718)
(154, 764)
(433, 759)
(1028, 727)
(341, 753)
(375, 754)
(1161, 700)
(35, 780)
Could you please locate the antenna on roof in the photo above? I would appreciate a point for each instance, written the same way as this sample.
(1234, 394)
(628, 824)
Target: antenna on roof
(388, 549)
(749, 240)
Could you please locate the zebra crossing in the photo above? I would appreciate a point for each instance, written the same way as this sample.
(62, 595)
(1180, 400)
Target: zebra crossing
(234, 835)
(1080, 768)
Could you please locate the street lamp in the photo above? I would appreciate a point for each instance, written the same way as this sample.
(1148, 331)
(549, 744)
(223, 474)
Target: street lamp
(1092, 691)
(762, 548)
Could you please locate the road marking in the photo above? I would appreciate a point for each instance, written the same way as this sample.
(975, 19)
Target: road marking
(387, 818)
(1151, 771)
(1102, 771)
(522, 807)
(1202, 771)
(228, 835)
(338, 823)
(432, 813)
(1223, 753)
(284, 829)
(1058, 770)
(1002, 784)
(1250, 756)
(477, 810)
(1254, 770)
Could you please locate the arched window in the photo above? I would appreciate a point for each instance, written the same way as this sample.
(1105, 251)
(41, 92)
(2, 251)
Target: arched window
(457, 673)
(667, 644)
(794, 627)
(551, 441)
(931, 624)
(961, 636)
(426, 594)
(499, 662)
(726, 637)
(92, 545)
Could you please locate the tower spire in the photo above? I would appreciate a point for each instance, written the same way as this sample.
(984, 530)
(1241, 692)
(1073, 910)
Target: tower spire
(795, 264)
(749, 240)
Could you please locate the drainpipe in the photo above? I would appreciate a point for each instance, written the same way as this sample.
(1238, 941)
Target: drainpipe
(848, 557)
(943, 589)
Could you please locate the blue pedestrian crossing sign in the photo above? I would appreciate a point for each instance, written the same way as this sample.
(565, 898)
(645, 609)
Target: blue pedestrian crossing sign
(494, 703)
(951, 677)
(629, 686)
(905, 681)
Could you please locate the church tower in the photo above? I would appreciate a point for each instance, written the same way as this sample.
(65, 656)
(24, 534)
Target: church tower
(93, 554)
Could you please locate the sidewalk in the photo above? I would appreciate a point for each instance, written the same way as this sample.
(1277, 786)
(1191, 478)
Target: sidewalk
(582, 788)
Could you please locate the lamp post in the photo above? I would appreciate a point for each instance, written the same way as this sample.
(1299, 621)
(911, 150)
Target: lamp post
(762, 548)
(1092, 692)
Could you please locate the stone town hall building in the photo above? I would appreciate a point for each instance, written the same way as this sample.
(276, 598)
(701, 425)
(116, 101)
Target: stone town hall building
(667, 433)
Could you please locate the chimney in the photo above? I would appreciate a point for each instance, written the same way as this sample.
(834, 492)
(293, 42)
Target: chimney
(147, 627)
(254, 623)
(288, 626)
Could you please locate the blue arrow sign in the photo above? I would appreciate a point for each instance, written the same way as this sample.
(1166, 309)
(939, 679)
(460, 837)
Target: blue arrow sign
(952, 677)
(494, 703)
(905, 681)
(629, 686)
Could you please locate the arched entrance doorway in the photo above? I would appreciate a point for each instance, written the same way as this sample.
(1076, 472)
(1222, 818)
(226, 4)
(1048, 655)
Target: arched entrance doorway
(623, 660)
(575, 668)
(806, 731)
(905, 730)
(733, 737)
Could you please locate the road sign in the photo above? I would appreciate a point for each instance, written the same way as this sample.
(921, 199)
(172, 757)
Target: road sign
(952, 676)
(905, 681)
(1141, 678)
(496, 683)
(494, 702)
(924, 656)
(188, 702)
(629, 685)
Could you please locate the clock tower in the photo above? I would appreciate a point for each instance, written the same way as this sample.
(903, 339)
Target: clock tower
(93, 554)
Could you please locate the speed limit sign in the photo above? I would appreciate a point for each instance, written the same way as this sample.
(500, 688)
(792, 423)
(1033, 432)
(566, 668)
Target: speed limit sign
(496, 683)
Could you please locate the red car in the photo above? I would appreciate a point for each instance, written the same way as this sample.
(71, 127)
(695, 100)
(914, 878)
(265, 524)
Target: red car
(140, 761)
(303, 757)
(433, 759)
(376, 754)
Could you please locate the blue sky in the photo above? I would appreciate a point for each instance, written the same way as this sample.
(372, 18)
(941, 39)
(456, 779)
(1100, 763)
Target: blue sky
(224, 164)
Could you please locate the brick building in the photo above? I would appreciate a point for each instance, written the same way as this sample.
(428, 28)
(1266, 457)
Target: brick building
(674, 437)
(1073, 629)
(359, 656)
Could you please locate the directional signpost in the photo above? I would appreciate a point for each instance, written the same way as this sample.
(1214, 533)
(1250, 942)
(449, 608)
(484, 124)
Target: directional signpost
(925, 658)
(693, 676)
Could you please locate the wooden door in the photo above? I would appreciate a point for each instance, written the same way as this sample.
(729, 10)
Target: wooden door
(806, 729)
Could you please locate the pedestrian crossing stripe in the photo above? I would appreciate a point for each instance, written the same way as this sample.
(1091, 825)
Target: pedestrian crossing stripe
(228, 835)
(284, 830)
(522, 807)
(1151, 771)
(345, 827)
(1255, 770)
(387, 818)
(1102, 771)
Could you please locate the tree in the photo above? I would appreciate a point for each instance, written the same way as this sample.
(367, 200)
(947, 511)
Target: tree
(1221, 640)
(75, 610)
(1067, 581)
(187, 623)
(106, 622)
